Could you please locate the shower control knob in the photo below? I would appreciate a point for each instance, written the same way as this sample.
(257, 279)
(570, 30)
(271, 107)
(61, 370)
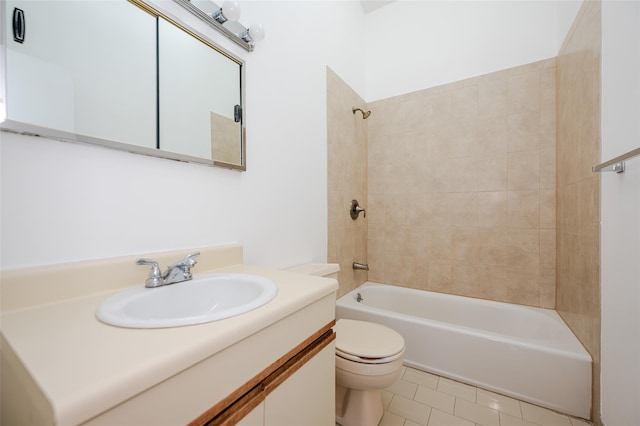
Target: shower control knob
(356, 210)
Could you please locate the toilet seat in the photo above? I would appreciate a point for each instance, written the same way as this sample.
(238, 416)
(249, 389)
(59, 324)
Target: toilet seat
(366, 360)
(367, 342)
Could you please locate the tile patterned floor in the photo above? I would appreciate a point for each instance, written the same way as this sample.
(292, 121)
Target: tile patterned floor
(422, 399)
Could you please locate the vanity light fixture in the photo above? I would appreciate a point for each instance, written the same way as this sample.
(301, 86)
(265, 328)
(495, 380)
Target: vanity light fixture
(225, 20)
(230, 11)
(254, 33)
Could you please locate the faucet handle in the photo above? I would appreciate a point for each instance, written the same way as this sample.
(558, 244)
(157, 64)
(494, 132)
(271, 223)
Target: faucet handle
(155, 275)
(181, 270)
(189, 261)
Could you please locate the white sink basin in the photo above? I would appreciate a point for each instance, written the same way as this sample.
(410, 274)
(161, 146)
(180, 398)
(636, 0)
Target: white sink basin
(205, 298)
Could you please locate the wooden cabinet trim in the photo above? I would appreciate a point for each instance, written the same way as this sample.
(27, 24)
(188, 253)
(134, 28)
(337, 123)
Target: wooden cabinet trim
(240, 402)
(294, 364)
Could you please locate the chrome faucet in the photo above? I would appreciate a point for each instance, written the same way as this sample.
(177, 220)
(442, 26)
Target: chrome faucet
(176, 273)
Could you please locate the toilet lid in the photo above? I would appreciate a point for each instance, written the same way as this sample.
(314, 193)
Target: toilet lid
(367, 341)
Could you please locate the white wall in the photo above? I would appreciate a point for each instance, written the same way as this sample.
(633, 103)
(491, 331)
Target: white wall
(413, 45)
(65, 202)
(567, 10)
(620, 201)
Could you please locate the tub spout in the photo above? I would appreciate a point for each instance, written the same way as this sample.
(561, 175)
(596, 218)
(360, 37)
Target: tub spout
(361, 266)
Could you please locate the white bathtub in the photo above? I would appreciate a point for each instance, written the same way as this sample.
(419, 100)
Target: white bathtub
(523, 352)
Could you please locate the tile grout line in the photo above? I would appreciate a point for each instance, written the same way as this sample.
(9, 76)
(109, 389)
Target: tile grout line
(519, 415)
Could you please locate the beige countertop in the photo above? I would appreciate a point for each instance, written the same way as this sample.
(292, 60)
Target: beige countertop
(84, 367)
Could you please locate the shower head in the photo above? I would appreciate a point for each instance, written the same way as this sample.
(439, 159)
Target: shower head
(365, 114)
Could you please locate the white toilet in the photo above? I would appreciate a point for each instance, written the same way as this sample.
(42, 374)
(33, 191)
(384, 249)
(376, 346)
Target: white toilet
(368, 359)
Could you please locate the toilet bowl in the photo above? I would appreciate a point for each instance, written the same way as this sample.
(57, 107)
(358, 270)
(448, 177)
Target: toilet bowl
(368, 359)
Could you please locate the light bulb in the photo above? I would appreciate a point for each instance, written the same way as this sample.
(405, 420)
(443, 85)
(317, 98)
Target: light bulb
(256, 32)
(231, 10)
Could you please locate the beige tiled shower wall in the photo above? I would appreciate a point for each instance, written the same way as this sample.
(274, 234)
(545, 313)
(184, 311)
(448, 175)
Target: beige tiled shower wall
(347, 180)
(578, 260)
(462, 187)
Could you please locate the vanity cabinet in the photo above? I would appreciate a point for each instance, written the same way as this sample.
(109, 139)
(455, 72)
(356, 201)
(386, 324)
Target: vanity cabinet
(264, 376)
(273, 365)
(303, 399)
(307, 397)
(297, 389)
(69, 74)
(301, 392)
(254, 418)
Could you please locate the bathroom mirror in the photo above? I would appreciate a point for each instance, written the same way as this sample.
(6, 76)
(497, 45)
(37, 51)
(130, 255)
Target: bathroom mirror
(200, 108)
(71, 76)
(149, 85)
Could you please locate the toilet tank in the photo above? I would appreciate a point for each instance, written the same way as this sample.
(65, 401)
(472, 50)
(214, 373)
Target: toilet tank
(328, 270)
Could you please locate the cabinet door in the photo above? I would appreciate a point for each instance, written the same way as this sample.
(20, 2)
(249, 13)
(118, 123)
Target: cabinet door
(84, 67)
(308, 396)
(254, 418)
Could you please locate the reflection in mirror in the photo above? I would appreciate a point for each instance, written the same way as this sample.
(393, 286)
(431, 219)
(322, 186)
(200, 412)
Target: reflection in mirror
(224, 139)
(200, 98)
(73, 75)
(149, 82)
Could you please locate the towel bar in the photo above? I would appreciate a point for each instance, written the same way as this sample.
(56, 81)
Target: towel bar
(616, 164)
